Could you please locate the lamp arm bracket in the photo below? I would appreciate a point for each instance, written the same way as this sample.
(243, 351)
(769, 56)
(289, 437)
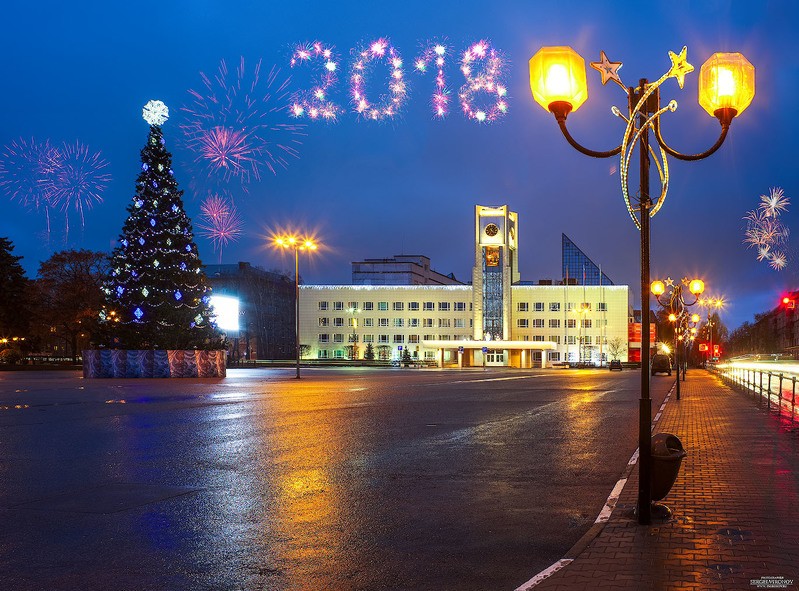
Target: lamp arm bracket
(725, 127)
(561, 110)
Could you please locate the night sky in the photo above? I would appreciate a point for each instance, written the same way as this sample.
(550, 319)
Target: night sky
(82, 71)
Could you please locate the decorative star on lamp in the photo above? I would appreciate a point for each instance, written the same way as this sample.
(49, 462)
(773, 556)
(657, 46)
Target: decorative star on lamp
(608, 69)
(155, 113)
(679, 66)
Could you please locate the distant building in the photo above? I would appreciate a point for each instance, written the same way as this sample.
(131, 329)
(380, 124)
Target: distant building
(398, 304)
(401, 269)
(266, 300)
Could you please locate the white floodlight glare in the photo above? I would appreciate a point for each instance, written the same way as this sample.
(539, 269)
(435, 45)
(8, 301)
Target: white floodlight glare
(226, 312)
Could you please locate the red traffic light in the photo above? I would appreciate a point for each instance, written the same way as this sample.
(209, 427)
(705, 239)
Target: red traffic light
(788, 303)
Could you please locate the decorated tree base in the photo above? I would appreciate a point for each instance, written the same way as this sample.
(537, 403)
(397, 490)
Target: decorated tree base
(127, 363)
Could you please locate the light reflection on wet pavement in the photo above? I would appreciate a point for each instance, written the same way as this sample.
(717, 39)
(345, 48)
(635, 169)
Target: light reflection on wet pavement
(346, 479)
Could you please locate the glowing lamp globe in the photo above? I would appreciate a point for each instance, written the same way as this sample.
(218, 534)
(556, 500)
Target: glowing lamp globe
(695, 318)
(672, 317)
(696, 286)
(726, 85)
(658, 287)
(557, 75)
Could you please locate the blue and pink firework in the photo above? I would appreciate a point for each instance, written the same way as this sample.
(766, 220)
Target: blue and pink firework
(436, 53)
(314, 103)
(235, 123)
(219, 222)
(388, 105)
(489, 81)
(765, 231)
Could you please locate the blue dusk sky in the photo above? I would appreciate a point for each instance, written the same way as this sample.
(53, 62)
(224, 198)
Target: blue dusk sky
(81, 71)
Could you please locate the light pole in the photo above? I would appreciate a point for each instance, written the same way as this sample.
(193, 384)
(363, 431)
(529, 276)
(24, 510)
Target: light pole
(354, 335)
(296, 244)
(669, 294)
(726, 88)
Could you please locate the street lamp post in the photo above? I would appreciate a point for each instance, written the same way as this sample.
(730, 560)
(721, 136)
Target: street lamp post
(710, 303)
(669, 294)
(726, 88)
(296, 244)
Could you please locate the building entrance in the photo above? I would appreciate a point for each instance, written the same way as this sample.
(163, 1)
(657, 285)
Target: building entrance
(495, 357)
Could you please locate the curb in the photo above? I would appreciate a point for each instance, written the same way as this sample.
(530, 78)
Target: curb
(603, 517)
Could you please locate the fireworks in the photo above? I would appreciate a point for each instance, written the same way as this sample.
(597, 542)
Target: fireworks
(436, 53)
(220, 222)
(389, 104)
(78, 181)
(233, 123)
(41, 177)
(313, 103)
(488, 81)
(765, 231)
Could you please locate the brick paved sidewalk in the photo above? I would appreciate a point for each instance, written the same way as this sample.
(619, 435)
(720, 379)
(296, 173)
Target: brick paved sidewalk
(735, 503)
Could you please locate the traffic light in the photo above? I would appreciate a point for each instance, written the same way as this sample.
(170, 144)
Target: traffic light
(788, 303)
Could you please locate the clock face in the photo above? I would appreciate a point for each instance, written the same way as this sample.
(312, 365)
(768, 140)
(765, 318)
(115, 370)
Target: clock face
(491, 230)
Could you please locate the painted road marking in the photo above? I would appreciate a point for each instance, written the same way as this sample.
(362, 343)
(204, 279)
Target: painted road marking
(544, 574)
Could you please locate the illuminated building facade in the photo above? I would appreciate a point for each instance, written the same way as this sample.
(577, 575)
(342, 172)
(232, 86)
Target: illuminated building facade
(496, 320)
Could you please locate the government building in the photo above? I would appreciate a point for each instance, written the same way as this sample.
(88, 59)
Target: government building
(401, 305)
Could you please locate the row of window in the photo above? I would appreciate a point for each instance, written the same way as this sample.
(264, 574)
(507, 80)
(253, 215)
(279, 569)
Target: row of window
(430, 355)
(397, 306)
(416, 339)
(399, 322)
(555, 306)
(555, 323)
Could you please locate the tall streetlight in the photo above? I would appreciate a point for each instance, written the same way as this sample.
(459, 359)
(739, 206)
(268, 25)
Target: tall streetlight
(669, 294)
(726, 88)
(296, 244)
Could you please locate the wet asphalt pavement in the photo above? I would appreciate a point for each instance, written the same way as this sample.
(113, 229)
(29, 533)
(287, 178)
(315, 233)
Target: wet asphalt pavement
(349, 479)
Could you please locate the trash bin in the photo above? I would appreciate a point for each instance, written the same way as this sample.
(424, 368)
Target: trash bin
(667, 455)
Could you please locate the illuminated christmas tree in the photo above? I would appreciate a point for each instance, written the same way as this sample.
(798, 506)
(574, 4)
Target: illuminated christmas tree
(157, 289)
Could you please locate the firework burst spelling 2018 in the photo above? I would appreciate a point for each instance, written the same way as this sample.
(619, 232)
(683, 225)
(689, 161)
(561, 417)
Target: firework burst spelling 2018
(234, 123)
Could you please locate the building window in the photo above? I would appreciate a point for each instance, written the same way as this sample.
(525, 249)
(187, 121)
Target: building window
(382, 322)
(324, 338)
(322, 306)
(382, 338)
(585, 306)
(555, 356)
(324, 322)
(602, 307)
(368, 338)
(339, 354)
(398, 306)
(338, 338)
(443, 337)
(522, 307)
(322, 354)
(555, 339)
(427, 323)
(352, 338)
(399, 339)
(429, 337)
(338, 305)
(368, 322)
(429, 355)
(413, 306)
(538, 323)
(538, 307)
(571, 323)
(460, 323)
(522, 323)
(538, 338)
(352, 322)
(413, 322)
(554, 306)
(570, 307)
(338, 322)
(587, 339)
(444, 323)
(554, 323)
(399, 322)
(571, 340)
(429, 306)
(352, 305)
(585, 323)
(460, 306)
(369, 306)
(413, 338)
(443, 306)
(383, 306)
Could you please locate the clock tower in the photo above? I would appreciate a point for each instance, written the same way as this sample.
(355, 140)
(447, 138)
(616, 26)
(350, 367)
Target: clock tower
(496, 268)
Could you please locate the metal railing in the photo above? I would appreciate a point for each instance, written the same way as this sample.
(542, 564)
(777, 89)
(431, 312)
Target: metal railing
(773, 388)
